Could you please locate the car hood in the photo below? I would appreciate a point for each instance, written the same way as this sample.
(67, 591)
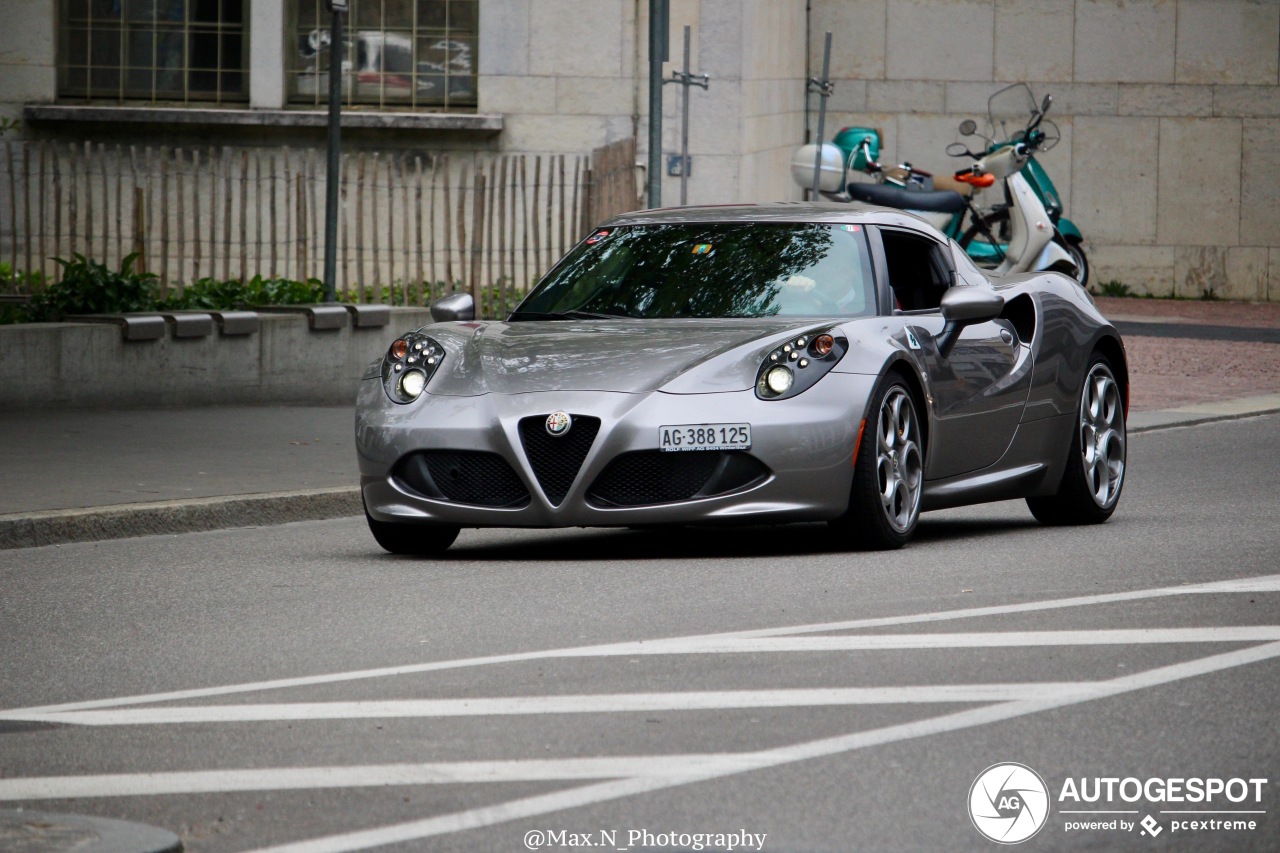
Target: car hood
(633, 356)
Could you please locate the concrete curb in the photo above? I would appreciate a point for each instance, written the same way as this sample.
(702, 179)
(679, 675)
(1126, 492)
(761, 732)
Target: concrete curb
(1203, 413)
(55, 527)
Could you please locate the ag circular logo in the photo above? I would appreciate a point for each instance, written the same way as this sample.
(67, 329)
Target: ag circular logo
(1008, 803)
(558, 423)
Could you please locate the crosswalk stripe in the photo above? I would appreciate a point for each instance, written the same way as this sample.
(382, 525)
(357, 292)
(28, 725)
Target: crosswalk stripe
(1264, 583)
(574, 704)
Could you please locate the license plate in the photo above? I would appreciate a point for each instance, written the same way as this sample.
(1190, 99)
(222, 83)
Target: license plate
(705, 437)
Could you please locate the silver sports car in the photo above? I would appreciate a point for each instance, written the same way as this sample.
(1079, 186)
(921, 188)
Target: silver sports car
(753, 364)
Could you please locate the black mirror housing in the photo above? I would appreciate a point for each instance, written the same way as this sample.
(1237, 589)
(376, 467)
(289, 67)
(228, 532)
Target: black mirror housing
(964, 306)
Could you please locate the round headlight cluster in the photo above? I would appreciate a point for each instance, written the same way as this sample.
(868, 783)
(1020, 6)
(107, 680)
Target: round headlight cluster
(776, 381)
(797, 364)
(408, 366)
(411, 384)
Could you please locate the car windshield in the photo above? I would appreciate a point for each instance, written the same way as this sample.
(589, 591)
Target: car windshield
(703, 270)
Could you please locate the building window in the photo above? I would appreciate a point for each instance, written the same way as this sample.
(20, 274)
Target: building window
(153, 50)
(397, 53)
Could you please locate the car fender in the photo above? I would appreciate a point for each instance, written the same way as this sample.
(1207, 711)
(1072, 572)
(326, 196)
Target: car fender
(879, 355)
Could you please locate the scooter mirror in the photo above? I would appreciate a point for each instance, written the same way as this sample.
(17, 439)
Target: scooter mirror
(1044, 106)
(968, 127)
(958, 149)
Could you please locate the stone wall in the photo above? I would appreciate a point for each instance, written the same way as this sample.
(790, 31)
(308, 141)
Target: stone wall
(27, 55)
(1169, 109)
(55, 365)
(1170, 117)
(569, 73)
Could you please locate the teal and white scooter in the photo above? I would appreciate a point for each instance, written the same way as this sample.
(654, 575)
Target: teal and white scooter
(1018, 235)
(1006, 109)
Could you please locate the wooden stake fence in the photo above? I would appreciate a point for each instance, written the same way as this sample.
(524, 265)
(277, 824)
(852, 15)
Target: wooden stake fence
(413, 225)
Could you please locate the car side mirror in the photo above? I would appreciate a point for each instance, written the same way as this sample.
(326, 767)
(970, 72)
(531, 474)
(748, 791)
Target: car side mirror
(455, 306)
(964, 306)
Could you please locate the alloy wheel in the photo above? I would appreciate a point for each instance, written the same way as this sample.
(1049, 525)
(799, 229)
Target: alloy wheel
(899, 462)
(1102, 436)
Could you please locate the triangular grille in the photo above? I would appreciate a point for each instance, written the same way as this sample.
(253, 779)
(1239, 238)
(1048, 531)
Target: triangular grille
(556, 459)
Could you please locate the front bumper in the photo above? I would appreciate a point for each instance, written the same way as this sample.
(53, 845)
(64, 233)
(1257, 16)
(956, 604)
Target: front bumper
(805, 443)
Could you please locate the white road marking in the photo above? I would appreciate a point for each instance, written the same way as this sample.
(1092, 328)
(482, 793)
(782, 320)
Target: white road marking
(604, 703)
(635, 775)
(432, 773)
(1268, 583)
(592, 794)
(670, 769)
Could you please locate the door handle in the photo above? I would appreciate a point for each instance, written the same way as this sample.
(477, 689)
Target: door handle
(1006, 336)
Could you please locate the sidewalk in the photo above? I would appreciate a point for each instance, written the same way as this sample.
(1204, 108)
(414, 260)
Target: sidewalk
(84, 475)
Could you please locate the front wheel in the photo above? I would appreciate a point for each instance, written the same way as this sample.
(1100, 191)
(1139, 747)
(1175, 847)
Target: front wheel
(888, 473)
(415, 540)
(1095, 468)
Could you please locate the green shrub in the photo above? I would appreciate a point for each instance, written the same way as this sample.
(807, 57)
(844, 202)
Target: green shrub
(208, 294)
(88, 287)
(1115, 288)
(16, 281)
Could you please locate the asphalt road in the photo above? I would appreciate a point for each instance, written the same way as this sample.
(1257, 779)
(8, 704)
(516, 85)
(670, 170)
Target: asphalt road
(293, 685)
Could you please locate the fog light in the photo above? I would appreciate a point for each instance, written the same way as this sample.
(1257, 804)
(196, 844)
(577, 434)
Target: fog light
(778, 380)
(412, 383)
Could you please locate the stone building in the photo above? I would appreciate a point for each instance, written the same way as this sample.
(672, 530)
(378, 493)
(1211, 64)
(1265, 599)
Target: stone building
(1169, 109)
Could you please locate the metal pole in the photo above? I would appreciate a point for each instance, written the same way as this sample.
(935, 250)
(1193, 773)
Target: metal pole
(658, 24)
(685, 79)
(684, 125)
(333, 174)
(824, 92)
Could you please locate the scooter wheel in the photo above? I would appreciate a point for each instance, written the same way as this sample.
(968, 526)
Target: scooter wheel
(1076, 251)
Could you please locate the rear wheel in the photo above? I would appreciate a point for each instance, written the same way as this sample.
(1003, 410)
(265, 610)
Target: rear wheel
(888, 473)
(417, 540)
(1078, 257)
(1095, 469)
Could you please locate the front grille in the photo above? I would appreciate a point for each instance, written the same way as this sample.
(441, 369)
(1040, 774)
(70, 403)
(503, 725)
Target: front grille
(556, 459)
(462, 476)
(657, 477)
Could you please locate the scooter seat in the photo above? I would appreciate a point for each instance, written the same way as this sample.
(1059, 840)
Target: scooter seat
(941, 201)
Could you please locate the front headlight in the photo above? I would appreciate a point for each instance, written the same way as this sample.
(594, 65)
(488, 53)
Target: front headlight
(798, 364)
(408, 366)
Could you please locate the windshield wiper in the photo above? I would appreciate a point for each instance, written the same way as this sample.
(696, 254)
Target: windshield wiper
(564, 315)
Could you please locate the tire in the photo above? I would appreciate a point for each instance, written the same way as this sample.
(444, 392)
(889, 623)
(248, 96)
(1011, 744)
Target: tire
(888, 473)
(1076, 251)
(1096, 460)
(414, 540)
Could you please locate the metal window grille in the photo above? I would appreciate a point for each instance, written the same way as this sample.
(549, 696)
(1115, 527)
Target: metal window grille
(417, 54)
(153, 50)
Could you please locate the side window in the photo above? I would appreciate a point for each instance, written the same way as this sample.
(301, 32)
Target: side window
(919, 270)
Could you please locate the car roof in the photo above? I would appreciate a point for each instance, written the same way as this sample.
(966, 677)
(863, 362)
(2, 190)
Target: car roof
(779, 211)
